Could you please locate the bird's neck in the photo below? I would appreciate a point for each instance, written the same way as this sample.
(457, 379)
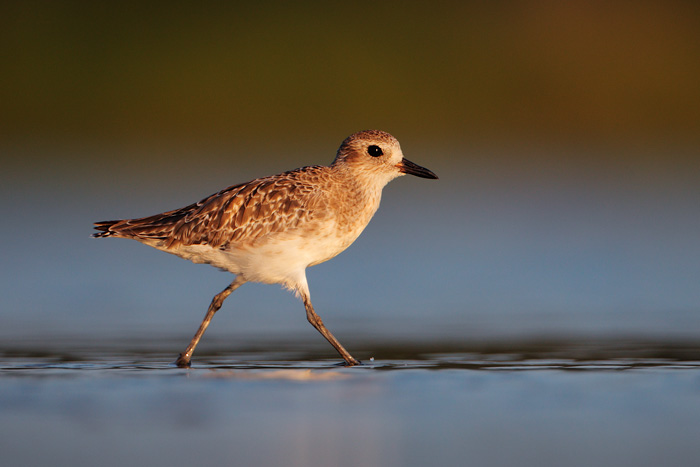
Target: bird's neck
(360, 194)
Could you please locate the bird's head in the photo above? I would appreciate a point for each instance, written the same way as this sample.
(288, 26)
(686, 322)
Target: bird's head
(378, 155)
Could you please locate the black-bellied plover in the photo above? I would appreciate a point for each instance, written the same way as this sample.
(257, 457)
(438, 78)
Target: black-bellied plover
(271, 229)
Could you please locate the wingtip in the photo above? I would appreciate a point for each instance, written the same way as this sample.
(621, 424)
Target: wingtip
(104, 229)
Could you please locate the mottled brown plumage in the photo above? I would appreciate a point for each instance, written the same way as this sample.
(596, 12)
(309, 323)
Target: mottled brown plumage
(271, 229)
(248, 211)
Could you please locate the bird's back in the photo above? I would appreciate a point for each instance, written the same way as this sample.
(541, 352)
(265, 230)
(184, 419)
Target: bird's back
(239, 213)
(309, 214)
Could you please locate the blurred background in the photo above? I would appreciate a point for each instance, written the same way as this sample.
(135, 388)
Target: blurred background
(566, 136)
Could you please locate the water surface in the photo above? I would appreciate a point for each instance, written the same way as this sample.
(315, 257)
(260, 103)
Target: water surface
(499, 403)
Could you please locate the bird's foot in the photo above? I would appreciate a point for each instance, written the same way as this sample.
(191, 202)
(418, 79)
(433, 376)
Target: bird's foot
(350, 362)
(182, 361)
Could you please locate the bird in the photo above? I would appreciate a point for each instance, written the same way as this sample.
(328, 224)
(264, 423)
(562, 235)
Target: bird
(269, 230)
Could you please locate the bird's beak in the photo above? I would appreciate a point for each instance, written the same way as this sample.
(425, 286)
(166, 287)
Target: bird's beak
(408, 167)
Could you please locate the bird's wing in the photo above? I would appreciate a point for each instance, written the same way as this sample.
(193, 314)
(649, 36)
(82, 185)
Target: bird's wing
(247, 211)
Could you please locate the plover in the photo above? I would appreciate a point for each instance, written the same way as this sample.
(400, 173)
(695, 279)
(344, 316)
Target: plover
(271, 229)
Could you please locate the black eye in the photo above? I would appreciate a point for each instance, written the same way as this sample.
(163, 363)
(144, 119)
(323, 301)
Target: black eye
(374, 151)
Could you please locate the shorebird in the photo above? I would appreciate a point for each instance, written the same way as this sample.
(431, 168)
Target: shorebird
(271, 229)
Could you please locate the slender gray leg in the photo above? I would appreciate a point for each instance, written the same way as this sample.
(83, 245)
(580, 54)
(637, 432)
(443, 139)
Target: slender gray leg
(316, 322)
(183, 361)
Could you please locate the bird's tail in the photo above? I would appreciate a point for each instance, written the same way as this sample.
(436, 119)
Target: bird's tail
(104, 228)
(158, 227)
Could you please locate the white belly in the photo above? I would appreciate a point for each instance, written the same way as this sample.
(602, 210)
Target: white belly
(279, 259)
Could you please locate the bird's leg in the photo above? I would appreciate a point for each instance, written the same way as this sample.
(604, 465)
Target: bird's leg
(183, 361)
(316, 322)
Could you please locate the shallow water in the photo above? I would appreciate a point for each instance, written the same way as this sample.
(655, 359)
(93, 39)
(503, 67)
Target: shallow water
(535, 314)
(499, 403)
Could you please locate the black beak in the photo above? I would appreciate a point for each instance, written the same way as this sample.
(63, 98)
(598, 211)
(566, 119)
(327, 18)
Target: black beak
(410, 168)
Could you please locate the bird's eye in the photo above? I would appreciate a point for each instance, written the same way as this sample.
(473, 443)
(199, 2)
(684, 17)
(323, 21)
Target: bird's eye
(374, 151)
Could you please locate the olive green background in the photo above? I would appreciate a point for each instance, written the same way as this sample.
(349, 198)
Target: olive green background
(565, 135)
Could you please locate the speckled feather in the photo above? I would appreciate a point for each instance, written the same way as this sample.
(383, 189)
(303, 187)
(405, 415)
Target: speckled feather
(271, 229)
(246, 212)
